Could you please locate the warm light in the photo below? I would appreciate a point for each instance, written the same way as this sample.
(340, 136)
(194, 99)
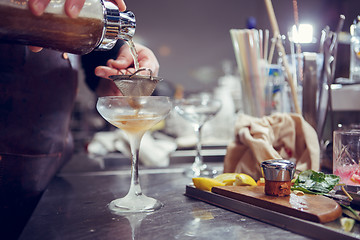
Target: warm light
(304, 35)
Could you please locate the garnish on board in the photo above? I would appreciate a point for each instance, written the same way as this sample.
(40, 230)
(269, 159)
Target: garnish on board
(350, 212)
(347, 224)
(225, 179)
(313, 182)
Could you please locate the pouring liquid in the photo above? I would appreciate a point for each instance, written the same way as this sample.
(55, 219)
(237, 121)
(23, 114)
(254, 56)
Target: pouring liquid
(132, 102)
(133, 53)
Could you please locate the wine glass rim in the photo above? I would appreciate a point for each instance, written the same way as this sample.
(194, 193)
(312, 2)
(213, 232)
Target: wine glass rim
(347, 131)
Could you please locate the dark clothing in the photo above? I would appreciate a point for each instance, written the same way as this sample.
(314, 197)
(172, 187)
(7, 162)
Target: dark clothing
(92, 60)
(37, 94)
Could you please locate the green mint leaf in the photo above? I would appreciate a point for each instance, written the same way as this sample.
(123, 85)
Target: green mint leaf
(315, 182)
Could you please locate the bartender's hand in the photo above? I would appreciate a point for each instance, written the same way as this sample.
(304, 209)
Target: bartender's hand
(72, 9)
(124, 64)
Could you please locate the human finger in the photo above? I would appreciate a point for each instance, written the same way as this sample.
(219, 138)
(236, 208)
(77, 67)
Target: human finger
(73, 7)
(37, 7)
(120, 3)
(124, 59)
(105, 72)
(147, 59)
(35, 49)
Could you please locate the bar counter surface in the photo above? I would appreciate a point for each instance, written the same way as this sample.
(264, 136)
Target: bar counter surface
(75, 207)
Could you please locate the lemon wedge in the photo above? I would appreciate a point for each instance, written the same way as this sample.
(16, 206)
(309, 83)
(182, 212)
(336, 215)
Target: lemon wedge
(347, 224)
(227, 178)
(243, 179)
(238, 179)
(261, 182)
(206, 184)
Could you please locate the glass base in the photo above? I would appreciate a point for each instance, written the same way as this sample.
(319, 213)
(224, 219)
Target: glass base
(200, 171)
(134, 204)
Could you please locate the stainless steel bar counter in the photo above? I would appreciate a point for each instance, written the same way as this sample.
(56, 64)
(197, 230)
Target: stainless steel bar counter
(75, 207)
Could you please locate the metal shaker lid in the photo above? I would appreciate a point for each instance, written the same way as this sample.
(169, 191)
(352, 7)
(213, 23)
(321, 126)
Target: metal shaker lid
(127, 25)
(278, 170)
(118, 25)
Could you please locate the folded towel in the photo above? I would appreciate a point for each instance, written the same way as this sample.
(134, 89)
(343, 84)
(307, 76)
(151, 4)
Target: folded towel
(278, 136)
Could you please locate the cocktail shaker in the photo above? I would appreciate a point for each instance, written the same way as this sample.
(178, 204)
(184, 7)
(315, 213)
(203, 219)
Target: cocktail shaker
(99, 25)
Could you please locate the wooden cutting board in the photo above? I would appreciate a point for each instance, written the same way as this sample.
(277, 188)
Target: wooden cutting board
(310, 207)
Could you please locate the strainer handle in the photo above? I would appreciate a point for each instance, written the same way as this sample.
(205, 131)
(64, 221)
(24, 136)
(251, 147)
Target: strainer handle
(142, 69)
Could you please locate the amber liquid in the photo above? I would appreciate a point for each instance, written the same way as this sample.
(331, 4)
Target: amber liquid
(58, 32)
(133, 124)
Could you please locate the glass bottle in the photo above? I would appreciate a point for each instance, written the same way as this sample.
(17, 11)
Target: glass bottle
(99, 25)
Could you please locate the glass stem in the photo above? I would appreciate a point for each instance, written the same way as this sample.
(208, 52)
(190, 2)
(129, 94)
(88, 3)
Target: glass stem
(135, 189)
(198, 158)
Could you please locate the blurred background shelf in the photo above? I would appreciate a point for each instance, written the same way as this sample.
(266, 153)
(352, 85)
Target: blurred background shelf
(344, 97)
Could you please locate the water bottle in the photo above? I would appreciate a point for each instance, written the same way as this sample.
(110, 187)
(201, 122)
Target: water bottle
(355, 52)
(275, 90)
(99, 25)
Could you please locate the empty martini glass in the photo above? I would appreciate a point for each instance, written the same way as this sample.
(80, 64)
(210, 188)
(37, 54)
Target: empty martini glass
(135, 116)
(198, 110)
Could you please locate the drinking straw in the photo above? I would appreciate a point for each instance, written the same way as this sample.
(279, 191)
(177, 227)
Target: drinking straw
(293, 61)
(261, 42)
(257, 72)
(247, 52)
(252, 38)
(281, 49)
(236, 37)
(246, 62)
(266, 43)
(297, 44)
(260, 70)
(272, 49)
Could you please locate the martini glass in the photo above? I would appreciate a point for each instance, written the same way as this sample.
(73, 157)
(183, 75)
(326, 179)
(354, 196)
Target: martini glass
(198, 110)
(134, 115)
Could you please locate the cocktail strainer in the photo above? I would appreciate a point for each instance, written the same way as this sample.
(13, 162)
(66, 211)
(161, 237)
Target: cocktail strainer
(136, 85)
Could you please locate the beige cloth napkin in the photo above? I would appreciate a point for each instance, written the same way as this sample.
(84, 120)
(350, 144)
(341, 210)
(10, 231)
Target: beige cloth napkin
(278, 136)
